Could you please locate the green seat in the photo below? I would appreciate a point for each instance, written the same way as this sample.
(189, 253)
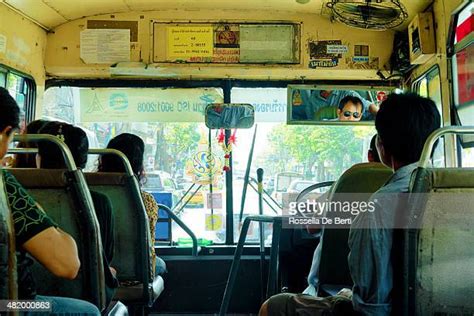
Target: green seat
(132, 234)
(8, 276)
(326, 113)
(66, 199)
(363, 180)
(439, 262)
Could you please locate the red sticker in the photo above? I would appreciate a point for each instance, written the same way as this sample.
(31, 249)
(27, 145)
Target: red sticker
(381, 96)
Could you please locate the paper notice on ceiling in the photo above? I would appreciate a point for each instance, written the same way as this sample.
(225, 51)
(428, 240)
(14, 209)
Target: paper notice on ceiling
(185, 42)
(105, 46)
(3, 44)
(337, 49)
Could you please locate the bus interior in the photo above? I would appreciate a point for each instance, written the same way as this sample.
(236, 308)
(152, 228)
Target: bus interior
(164, 70)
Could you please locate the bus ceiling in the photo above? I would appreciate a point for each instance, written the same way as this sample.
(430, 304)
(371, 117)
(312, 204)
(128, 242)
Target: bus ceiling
(53, 13)
(131, 39)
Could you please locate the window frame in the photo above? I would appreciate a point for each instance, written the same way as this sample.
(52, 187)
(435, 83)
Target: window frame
(452, 49)
(29, 85)
(415, 86)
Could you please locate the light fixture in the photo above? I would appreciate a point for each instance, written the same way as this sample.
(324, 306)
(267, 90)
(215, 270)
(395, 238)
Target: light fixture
(303, 1)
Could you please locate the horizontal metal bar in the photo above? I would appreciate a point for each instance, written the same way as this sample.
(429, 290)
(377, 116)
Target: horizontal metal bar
(126, 163)
(36, 138)
(23, 150)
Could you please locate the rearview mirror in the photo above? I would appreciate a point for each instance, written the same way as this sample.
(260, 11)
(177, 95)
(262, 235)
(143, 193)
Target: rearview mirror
(229, 115)
(330, 105)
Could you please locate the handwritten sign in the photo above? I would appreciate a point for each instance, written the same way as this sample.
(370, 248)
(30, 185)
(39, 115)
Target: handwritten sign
(186, 42)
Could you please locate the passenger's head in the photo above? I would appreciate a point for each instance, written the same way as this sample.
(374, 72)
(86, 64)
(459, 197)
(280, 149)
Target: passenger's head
(132, 146)
(403, 124)
(350, 109)
(9, 120)
(29, 160)
(34, 126)
(372, 154)
(51, 157)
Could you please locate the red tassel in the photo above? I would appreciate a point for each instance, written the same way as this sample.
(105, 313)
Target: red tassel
(226, 168)
(232, 138)
(221, 136)
(227, 156)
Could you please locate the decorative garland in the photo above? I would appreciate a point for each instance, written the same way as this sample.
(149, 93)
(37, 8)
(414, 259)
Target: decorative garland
(227, 148)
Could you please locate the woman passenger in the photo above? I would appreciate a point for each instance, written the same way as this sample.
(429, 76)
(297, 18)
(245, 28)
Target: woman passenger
(29, 160)
(50, 157)
(134, 148)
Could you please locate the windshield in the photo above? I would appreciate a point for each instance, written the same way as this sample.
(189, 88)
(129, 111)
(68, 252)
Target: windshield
(180, 146)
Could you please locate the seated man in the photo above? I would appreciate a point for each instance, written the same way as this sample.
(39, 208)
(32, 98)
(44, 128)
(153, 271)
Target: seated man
(403, 124)
(323, 104)
(35, 233)
(313, 278)
(350, 109)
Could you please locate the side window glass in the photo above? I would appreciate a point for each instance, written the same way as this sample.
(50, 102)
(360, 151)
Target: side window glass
(429, 86)
(463, 79)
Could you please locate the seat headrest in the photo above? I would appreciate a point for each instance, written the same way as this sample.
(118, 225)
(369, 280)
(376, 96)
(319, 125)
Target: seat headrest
(40, 178)
(452, 178)
(362, 178)
(105, 178)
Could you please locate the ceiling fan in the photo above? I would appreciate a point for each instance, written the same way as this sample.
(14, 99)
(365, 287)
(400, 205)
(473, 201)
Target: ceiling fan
(368, 14)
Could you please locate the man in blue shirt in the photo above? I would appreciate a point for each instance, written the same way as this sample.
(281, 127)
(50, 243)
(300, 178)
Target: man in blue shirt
(315, 100)
(403, 124)
(313, 276)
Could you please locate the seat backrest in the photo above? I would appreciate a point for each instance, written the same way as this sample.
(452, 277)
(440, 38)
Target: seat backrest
(363, 180)
(8, 277)
(439, 267)
(132, 233)
(66, 199)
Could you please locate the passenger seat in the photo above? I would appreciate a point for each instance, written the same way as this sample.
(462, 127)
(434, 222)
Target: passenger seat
(132, 234)
(438, 269)
(362, 179)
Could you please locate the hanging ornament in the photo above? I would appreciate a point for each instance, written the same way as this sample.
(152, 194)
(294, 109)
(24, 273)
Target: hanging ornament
(227, 148)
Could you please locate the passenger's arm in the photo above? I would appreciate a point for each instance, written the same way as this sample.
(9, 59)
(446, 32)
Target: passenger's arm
(106, 219)
(373, 108)
(369, 263)
(56, 250)
(38, 234)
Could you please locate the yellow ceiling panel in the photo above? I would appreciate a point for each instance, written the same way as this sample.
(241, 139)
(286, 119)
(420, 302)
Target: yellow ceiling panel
(314, 6)
(77, 9)
(38, 11)
(52, 13)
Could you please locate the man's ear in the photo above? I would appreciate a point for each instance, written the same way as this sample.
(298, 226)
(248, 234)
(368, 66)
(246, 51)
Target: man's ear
(339, 112)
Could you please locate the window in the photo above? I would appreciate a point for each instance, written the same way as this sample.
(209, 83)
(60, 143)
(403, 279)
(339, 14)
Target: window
(429, 86)
(174, 134)
(463, 78)
(289, 153)
(22, 89)
(176, 138)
